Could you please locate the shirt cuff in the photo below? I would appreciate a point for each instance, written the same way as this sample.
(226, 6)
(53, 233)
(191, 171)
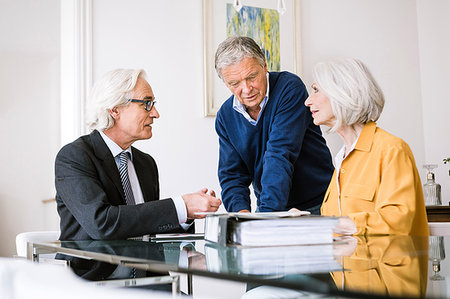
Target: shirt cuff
(181, 209)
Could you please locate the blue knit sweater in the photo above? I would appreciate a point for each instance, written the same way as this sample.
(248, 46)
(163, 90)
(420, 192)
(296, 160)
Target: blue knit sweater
(284, 156)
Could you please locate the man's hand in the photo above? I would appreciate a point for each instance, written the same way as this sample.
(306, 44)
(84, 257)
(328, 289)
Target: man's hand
(201, 201)
(295, 212)
(244, 211)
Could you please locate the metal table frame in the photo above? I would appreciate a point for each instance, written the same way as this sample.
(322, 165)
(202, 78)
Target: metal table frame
(34, 250)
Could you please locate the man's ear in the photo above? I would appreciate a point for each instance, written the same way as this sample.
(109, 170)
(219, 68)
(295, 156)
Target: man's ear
(114, 112)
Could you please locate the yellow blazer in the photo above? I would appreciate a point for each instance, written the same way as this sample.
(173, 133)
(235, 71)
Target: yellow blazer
(380, 188)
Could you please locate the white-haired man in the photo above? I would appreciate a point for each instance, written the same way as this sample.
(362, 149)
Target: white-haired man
(106, 188)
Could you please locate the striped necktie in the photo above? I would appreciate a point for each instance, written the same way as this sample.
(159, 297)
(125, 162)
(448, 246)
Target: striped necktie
(123, 170)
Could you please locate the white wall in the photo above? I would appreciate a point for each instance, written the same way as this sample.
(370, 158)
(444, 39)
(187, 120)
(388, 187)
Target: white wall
(383, 34)
(434, 45)
(29, 85)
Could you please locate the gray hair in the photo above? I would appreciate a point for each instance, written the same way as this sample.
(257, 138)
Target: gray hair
(234, 49)
(112, 90)
(354, 95)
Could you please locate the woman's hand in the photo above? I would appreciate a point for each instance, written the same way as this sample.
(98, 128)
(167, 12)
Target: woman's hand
(345, 226)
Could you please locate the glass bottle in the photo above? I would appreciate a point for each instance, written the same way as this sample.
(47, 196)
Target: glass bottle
(431, 190)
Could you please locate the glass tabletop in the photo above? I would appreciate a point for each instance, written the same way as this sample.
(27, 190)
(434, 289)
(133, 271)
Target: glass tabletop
(371, 266)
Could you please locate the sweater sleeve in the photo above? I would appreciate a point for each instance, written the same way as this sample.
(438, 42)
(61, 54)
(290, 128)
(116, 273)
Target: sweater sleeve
(285, 141)
(233, 174)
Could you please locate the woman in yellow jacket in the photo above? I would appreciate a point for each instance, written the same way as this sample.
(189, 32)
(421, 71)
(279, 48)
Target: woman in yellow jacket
(375, 182)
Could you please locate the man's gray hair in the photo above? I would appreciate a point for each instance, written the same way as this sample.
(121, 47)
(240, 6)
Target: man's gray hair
(234, 49)
(112, 90)
(354, 95)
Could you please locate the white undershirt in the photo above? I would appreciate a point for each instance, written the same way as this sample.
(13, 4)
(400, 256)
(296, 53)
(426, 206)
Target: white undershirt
(338, 159)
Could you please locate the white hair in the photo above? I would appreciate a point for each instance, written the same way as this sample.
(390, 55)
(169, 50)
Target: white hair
(354, 95)
(114, 89)
(234, 49)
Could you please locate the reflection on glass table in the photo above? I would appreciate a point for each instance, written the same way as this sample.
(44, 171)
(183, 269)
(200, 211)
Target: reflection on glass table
(272, 261)
(351, 267)
(438, 285)
(437, 254)
(390, 266)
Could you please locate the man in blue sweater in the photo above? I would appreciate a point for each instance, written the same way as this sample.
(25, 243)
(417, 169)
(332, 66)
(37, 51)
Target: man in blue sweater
(266, 135)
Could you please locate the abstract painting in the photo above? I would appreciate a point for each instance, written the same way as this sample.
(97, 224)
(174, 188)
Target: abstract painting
(261, 24)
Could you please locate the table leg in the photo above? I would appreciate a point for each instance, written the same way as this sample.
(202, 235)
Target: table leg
(189, 284)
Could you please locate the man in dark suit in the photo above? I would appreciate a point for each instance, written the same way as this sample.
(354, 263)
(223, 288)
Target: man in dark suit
(107, 189)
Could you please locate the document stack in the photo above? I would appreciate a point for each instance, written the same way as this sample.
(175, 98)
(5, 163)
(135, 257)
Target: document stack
(269, 229)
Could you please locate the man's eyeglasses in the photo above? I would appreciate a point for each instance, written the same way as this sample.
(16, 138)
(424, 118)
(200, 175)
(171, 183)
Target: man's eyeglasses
(148, 103)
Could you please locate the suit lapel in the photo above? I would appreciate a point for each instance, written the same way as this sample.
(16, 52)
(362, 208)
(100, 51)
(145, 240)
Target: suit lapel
(142, 173)
(103, 153)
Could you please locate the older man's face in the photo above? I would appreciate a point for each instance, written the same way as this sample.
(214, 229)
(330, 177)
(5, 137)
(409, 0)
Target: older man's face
(247, 81)
(133, 121)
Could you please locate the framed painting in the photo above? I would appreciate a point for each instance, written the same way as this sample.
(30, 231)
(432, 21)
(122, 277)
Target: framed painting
(278, 35)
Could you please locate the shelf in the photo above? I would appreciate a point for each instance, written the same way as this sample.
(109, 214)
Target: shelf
(438, 213)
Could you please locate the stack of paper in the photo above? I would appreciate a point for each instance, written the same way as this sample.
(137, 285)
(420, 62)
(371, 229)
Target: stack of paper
(284, 231)
(269, 229)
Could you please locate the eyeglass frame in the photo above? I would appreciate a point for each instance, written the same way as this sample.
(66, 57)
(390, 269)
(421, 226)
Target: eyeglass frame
(148, 103)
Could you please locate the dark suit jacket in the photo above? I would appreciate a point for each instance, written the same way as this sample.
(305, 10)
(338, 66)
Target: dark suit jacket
(90, 197)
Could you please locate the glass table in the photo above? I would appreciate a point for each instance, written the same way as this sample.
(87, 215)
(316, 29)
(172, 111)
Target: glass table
(351, 267)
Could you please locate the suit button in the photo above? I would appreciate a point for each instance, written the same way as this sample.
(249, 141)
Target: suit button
(342, 170)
